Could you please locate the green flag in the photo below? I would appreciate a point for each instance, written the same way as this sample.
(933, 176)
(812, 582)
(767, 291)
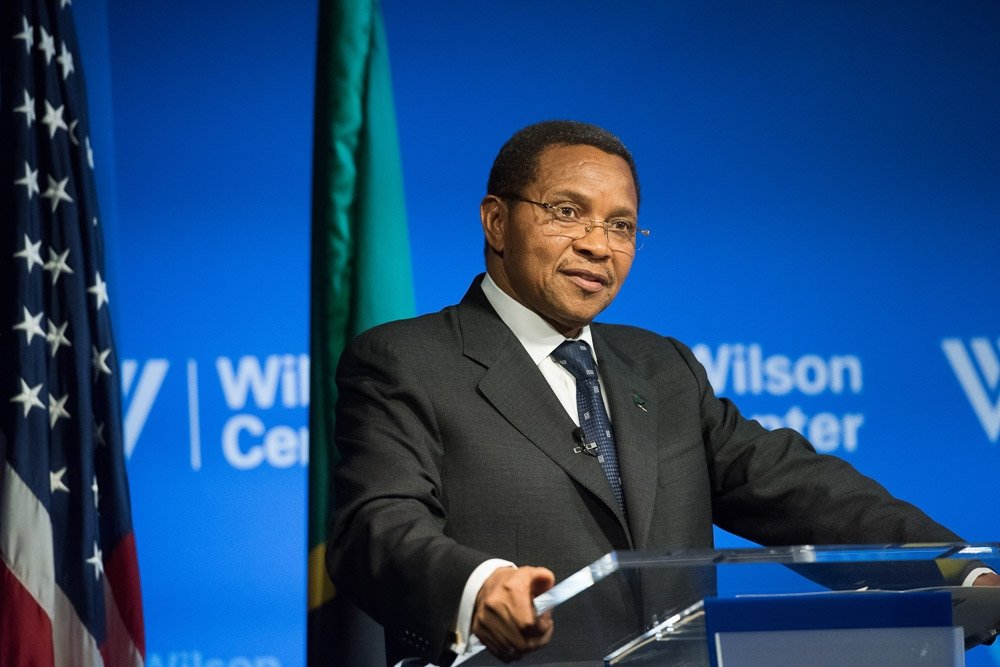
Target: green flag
(360, 274)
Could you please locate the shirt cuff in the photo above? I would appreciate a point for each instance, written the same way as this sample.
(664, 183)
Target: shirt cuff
(463, 624)
(972, 576)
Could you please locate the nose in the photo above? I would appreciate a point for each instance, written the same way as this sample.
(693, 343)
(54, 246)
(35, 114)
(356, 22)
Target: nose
(594, 242)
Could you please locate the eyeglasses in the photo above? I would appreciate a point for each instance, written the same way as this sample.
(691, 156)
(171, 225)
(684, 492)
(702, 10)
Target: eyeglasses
(623, 234)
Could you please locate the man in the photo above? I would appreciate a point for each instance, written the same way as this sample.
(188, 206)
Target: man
(467, 484)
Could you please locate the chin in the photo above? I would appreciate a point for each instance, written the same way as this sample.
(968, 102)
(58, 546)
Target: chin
(578, 319)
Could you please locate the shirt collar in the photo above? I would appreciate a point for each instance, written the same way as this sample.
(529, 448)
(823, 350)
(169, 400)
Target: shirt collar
(538, 337)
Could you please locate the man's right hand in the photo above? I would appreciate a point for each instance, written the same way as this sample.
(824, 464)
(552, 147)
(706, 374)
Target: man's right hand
(504, 617)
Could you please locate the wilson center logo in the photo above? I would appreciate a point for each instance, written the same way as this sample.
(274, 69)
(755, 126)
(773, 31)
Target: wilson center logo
(977, 367)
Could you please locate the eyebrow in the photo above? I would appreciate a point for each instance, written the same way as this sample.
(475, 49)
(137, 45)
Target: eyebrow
(584, 200)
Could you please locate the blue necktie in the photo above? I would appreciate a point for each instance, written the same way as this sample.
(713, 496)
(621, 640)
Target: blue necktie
(575, 356)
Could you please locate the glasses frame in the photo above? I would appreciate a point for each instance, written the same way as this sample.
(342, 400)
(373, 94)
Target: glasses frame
(588, 223)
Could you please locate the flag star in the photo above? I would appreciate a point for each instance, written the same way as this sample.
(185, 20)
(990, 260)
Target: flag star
(97, 496)
(94, 221)
(72, 132)
(57, 264)
(48, 45)
(31, 253)
(90, 152)
(97, 560)
(56, 481)
(57, 409)
(30, 325)
(99, 434)
(56, 336)
(63, 3)
(29, 180)
(53, 118)
(28, 108)
(65, 61)
(27, 34)
(100, 360)
(57, 191)
(99, 290)
(28, 398)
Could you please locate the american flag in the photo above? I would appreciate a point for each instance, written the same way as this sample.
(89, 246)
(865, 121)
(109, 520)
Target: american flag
(69, 579)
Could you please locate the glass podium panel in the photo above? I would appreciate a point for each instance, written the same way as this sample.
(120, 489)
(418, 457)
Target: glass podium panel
(649, 607)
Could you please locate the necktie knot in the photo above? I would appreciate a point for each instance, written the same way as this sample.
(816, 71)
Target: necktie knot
(575, 356)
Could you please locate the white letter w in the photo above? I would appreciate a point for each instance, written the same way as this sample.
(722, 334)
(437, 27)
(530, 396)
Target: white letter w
(975, 383)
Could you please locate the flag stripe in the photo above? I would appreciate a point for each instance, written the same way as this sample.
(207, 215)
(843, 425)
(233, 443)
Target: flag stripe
(121, 595)
(321, 589)
(25, 540)
(119, 649)
(20, 618)
(71, 638)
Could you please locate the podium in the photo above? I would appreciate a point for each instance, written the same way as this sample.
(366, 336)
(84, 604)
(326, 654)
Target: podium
(796, 605)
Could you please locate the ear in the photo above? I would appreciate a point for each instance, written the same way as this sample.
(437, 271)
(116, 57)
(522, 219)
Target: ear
(494, 214)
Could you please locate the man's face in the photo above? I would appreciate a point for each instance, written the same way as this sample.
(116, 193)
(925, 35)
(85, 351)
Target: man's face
(566, 281)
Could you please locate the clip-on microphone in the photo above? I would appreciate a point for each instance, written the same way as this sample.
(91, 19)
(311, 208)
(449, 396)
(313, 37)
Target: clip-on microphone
(589, 448)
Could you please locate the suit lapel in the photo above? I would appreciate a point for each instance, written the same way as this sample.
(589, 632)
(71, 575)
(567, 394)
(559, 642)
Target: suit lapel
(517, 389)
(633, 404)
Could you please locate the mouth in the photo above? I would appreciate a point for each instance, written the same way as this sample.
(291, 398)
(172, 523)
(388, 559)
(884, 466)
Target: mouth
(589, 281)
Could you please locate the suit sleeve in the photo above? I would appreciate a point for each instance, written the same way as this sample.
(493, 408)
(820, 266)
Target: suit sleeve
(772, 487)
(387, 549)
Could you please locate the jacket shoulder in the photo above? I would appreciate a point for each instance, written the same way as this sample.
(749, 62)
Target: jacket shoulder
(650, 352)
(408, 330)
(636, 341)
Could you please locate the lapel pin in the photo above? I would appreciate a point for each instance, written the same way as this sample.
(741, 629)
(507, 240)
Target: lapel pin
(639, 401)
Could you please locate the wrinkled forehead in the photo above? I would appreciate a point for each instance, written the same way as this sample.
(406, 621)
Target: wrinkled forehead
(581, 171)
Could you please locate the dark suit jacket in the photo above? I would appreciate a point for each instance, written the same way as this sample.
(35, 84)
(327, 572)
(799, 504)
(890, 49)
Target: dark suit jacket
(455, 450)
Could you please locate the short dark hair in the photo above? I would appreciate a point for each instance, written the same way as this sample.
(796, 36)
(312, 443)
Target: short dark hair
(516, 165)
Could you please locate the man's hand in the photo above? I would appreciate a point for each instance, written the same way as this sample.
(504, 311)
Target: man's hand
(504, 618)
(991, 579)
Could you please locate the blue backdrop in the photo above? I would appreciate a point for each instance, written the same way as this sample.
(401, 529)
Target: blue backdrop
(820, 178)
